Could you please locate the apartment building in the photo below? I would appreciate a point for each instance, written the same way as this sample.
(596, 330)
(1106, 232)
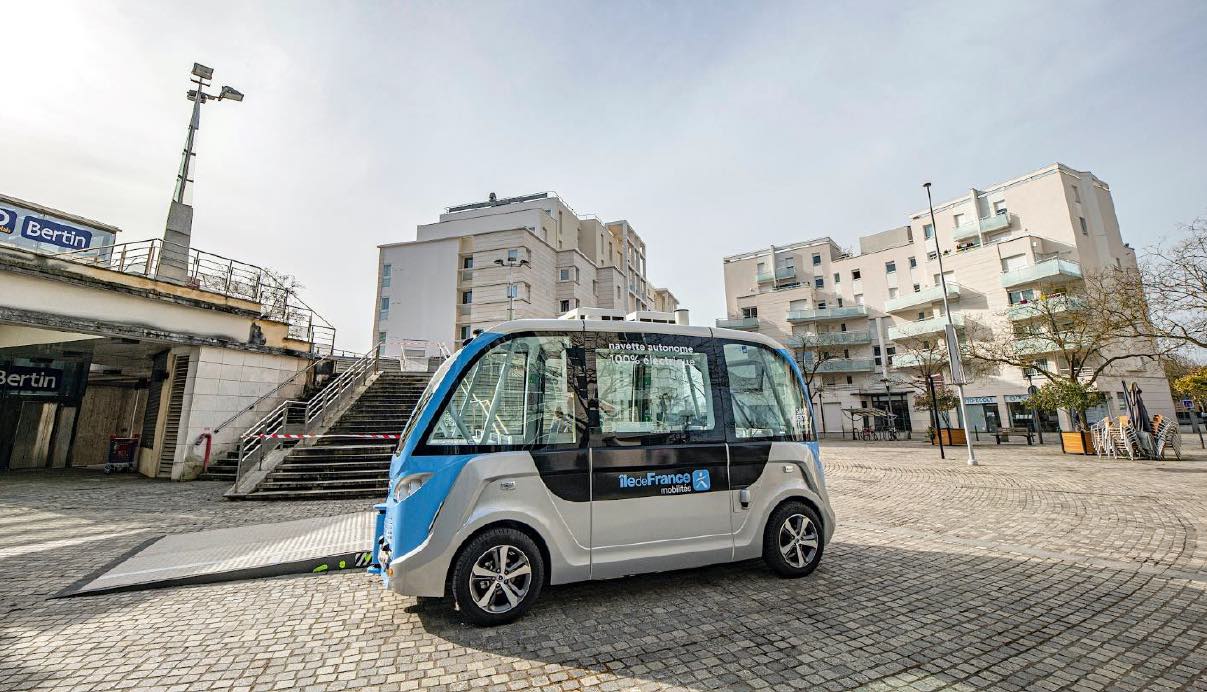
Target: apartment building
(485, 262)
(1002, 246)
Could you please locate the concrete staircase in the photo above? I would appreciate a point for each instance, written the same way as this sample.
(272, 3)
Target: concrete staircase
(339, 468)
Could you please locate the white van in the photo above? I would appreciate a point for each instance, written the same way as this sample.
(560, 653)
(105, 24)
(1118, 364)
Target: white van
(556, 451)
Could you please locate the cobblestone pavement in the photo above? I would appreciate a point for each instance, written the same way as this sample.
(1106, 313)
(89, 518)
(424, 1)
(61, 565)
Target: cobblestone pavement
(1031, 571)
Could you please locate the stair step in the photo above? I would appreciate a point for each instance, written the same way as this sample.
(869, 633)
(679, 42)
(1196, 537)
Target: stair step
(320, 494)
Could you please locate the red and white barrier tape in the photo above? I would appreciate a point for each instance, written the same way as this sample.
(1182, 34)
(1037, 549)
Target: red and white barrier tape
(358, 436)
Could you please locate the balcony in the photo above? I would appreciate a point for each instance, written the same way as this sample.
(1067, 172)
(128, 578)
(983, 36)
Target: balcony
(928, 295)
(934, 325)
(765, 277)
(1054, 305)
(1048, 271)
(847, 365)
(833, 338)
(781, 274)
(827, 314)
(1032, 345)
(974, 229)
(907, 360)
(743, 323)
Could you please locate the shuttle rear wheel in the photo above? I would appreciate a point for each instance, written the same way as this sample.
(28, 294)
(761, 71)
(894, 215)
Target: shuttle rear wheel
(792, 541)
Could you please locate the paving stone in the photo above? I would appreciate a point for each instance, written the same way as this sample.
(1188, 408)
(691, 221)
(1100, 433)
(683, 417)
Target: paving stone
(1031, 571)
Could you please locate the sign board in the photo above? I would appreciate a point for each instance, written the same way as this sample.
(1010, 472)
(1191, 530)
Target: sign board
(1016, 397)
(980, 399)
(953, 356)
(22, 379)
(44, 231)
(1188, 404)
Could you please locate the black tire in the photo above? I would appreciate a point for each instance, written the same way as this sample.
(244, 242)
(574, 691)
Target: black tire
(505, 599)
(775, 536)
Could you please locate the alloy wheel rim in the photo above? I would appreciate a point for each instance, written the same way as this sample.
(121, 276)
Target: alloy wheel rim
(798, 540)
(500, 579)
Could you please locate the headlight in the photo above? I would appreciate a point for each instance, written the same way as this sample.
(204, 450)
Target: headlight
(408, 485)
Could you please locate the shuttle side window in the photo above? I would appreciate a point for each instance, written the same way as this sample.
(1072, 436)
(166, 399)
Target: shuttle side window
(767, 399)
(517, 395)
(660, 391)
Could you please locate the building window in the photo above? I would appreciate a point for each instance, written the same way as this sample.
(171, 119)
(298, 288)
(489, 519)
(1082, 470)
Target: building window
(761, 268)
(890, 267)
(876, 354)
(849, 380)
(563, 274)
(463, 332)
(386, 274)
(385, 307)
(921, 316)
(381, 336)
(928, 231)
(840, 302)
(467, 297)
(892, 293)
(513, 255)
(1076, 194)
(618, 292)
(932, 255)
(892, 351)
(999, 207)
(467, 262)
(859, 299)
(917, 288)
(749, 313)
(816, 260)
(1022, 297)
(565, 306)
(913, 262)
(821, 305)
(1085, 230)
(958, 219)
(837, 277)
(819, 281)
(855, 275)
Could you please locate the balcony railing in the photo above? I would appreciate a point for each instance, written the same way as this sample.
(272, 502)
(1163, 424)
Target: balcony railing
(928, 295)
(974, 229)
(847, 365)
(831, 338)
(1049, 270)
(907, 360)
(934, 325)
(167, 261)
(1053, 305)
(743, 323)
(1031, 345)
(827, 314)
(785, 273)
(765, 277)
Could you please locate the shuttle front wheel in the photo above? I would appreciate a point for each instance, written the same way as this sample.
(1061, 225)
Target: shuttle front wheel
(792, 541)
(498, 576)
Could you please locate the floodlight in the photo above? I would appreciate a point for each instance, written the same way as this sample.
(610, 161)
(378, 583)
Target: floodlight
(232, 94)
(202, 71)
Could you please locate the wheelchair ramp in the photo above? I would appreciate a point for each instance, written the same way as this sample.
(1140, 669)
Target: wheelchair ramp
(304, 546)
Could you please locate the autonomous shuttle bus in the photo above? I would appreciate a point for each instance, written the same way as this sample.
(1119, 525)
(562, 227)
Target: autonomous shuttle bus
(553, 451)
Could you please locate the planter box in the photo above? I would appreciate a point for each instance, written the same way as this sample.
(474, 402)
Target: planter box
(1076, 442)
(951, 436)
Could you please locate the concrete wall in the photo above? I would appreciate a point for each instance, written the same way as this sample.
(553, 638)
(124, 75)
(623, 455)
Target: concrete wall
(105, 411)
(423, 290)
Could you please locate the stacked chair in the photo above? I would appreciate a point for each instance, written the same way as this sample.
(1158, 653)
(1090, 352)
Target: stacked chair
(1116, 438)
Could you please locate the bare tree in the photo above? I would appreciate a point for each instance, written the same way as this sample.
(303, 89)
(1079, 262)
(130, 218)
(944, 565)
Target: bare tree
(923, 359)
(1173, 281)
(1071, 336)
(811, 355)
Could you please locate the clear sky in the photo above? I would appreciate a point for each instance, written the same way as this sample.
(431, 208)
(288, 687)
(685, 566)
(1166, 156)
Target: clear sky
(714, 128)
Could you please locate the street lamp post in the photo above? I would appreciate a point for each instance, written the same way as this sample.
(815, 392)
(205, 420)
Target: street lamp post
(178, 232)
(888, 401)
(511, 264)
(1031, 390)
(953, 348)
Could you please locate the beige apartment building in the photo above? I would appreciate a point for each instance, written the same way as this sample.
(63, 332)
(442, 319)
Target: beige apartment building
(1002, 246)
(486, 262)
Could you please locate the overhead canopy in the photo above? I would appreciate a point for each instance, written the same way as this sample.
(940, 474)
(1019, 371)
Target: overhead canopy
(852, 412)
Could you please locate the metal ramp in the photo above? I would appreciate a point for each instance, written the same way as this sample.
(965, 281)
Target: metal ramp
(303, 546)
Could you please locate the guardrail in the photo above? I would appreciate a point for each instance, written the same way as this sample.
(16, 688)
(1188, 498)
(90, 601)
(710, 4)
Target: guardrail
(206, 271)
(303, 417)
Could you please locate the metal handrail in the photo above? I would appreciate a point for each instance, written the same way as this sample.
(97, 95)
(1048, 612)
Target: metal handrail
(304, 417)
(216, 274)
